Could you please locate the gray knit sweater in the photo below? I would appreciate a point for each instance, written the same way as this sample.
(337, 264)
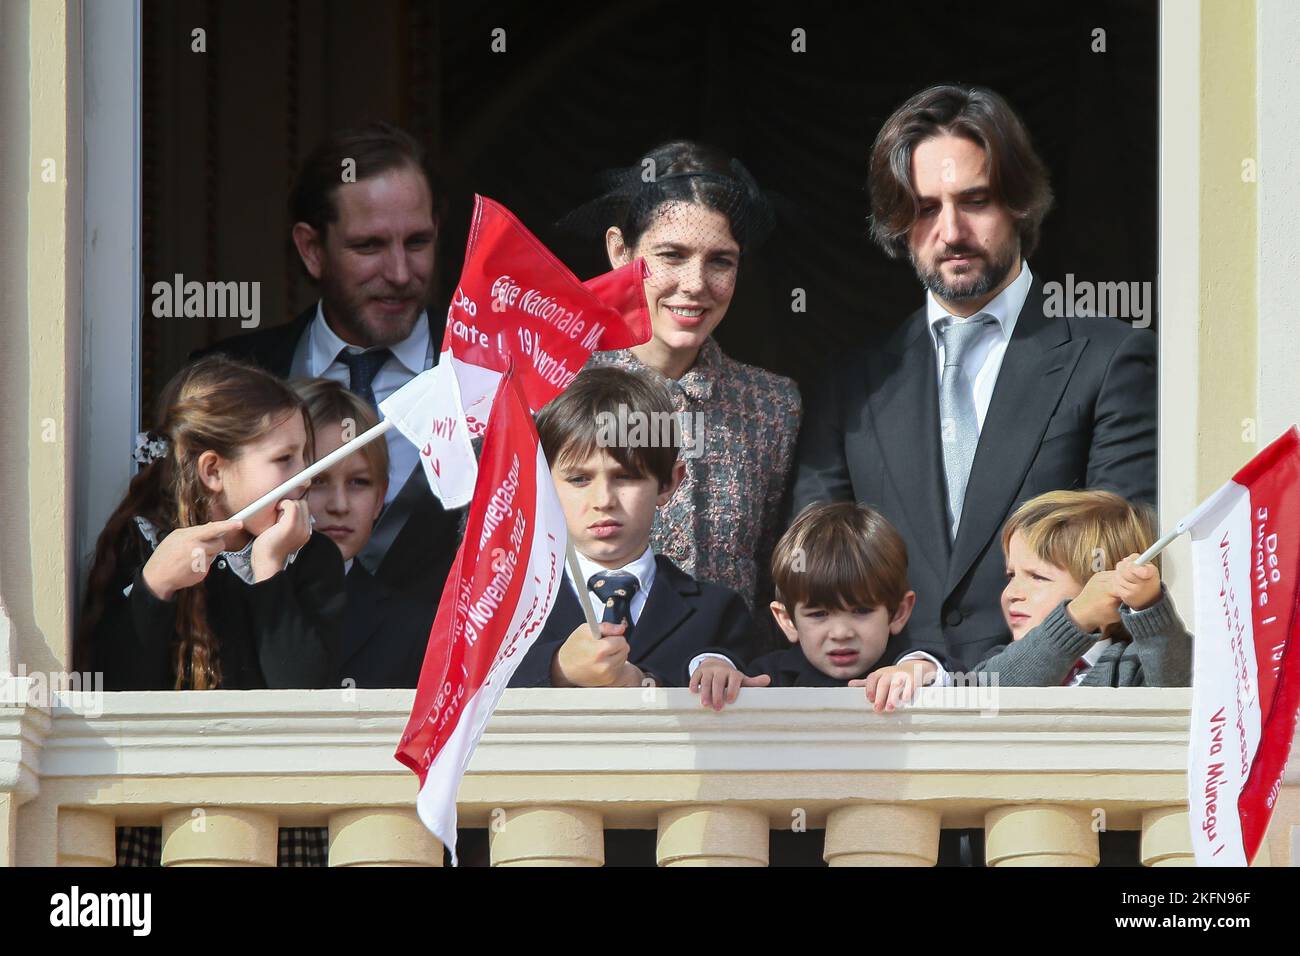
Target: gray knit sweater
(1159, 654)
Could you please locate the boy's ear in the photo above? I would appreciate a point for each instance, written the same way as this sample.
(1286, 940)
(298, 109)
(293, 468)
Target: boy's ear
(784, 621)
(209, 469)
(666, 492)
(618, 252)
(904, 611)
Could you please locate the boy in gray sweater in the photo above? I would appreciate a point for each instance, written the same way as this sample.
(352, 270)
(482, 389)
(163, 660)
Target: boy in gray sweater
(1078, 617)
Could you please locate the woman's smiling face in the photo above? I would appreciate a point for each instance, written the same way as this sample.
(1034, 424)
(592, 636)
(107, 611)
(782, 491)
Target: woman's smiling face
(692, 260)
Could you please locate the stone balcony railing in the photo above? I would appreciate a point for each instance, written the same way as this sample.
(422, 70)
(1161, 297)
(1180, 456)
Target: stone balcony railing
(1041, 770)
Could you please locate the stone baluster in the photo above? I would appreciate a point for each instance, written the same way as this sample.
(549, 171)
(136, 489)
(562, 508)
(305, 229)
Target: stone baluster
(712, 836)
(86, 838)
(218, 836)
(1040, 834)
(1166, 837)
(548, 836)
(382, 836)
(882, 834)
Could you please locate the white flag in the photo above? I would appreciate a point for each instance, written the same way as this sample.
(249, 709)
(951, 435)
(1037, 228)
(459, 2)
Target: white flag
(429, 411)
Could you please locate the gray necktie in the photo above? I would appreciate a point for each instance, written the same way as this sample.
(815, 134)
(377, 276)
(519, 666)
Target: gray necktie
(959, 431)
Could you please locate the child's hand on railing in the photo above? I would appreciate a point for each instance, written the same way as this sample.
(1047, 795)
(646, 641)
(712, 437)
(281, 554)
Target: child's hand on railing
(718, 683)
(887, 687)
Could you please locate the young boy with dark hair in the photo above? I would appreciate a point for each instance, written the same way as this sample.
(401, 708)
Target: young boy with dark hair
(657, 623)
(841, 592)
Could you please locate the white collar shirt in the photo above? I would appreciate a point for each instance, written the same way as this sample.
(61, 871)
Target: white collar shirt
(643, 569)
(983, 360)
(317, 357)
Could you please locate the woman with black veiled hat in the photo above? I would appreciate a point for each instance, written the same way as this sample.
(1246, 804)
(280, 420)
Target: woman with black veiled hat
(693, 214)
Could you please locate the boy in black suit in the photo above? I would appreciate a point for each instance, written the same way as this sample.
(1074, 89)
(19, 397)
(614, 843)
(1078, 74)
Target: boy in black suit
(658, 624)
(385, 631)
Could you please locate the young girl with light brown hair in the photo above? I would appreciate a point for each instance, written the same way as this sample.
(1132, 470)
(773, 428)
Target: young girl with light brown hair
(182, 597)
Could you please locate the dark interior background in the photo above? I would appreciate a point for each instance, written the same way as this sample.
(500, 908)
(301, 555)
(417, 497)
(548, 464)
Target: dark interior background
(581, 89)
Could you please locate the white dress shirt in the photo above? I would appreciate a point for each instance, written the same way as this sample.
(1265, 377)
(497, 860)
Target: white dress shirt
(317, 357)
(983, 360)
(941, 678)
(1090, 657)
(643, 569)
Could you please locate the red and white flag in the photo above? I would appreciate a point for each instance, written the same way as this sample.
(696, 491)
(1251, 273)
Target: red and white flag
(515, 302)
(430, 412)
(1246, 678)
(497, 597)
(520, 328)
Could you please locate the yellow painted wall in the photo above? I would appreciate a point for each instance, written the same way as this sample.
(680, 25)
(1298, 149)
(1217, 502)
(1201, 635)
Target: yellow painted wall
(15, 534)
(1228, 243)
(42, 366)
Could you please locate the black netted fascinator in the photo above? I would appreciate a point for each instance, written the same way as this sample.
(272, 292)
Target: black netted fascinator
(635, 197)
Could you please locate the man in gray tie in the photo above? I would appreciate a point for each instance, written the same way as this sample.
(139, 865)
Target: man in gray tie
(981, 399)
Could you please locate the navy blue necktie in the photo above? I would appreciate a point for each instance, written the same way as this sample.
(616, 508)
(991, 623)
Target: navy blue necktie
(362, 369)
(615, 588)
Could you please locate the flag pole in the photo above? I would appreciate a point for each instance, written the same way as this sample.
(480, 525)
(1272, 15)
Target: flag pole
(574, 572)
(1183, 526)
(311, 471)
(1164, 541)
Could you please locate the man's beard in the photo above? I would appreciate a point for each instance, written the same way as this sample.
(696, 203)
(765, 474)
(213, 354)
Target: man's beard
(346, 313)
(972, 285)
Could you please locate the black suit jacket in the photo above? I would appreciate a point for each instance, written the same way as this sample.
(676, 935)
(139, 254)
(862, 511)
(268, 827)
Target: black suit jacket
(414, 542)
(682, 617)
(790, 667)
(1074, 407)
(384, 635)
(281, 632)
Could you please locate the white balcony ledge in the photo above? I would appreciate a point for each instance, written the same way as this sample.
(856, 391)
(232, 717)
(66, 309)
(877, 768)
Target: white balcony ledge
(628, 754)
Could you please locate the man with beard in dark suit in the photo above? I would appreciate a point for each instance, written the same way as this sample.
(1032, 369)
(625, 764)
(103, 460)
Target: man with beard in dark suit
(365, 229)
(982, 398)
(985, 396)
